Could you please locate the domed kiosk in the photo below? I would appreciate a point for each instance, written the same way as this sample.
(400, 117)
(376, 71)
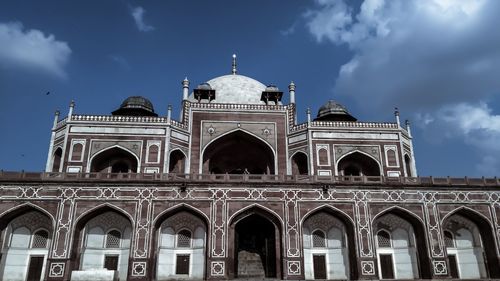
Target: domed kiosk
(135, 106)
(334, 111)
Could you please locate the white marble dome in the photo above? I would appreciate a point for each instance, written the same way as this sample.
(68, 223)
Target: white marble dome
(236, 89)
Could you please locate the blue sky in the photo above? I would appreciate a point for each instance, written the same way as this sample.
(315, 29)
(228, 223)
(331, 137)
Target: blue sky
(437, 60)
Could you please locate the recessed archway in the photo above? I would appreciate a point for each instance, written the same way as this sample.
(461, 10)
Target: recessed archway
(299, 164)
(358, 164)
(177, 162)
(405, 228)
(468, 226)
(256, 252)
(237, 153)
(114, 160)
(340, 247)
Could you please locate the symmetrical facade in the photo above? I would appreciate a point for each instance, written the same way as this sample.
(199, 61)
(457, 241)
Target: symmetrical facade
(237, 189)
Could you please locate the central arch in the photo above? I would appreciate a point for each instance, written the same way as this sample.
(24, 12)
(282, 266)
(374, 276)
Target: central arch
(114, 160)
(358, 163)
(256, 236)
(238, 152)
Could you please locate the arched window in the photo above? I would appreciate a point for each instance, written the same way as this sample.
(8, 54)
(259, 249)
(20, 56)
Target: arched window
(177, 160)
(408, 165)
(299, 164)
(391, 158)
(153, 153)
(40, 239)
(56, 161)
(323, 157)
(448, 239)
(184, 239)
(76, 154)
(358, 164)
(113, 239)
(384, 239)
(318, 238)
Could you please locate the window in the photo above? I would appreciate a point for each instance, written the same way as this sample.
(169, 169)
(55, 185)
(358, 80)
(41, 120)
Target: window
(113, 239)
(40, 239)
(384, 239)
(153, 154)
(448, 239)
(76, 154)
(323, 157)
(318, 238)
(184, 239)
(391, 158)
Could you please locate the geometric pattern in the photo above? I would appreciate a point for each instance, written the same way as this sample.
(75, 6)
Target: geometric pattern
(217, 268)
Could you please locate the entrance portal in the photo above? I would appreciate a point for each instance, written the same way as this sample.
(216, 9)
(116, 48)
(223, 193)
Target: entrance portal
(256, 248)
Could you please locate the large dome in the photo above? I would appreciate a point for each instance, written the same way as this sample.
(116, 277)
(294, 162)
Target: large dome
(237, 89)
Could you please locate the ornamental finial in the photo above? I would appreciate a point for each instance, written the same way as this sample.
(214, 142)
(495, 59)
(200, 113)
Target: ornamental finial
(234, 64)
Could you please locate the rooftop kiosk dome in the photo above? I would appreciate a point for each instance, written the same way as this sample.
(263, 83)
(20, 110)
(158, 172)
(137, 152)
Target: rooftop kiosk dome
(135, 106)
(333, 111)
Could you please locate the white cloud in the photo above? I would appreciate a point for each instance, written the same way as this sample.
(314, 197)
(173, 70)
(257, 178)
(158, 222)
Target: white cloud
(138, 15)
(476, 124)
(121, 61)
(413, 54)
(32, 49)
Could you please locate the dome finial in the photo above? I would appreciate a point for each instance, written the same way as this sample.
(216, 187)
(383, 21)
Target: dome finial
(234, 64)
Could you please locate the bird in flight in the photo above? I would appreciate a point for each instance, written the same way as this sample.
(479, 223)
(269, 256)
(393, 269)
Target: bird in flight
(48, 93)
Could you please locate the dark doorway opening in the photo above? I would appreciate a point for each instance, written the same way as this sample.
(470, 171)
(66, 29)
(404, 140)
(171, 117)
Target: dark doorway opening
(256, 248)
(358, 164)
(111, 262)
(182, 264)
(35, 268)
(319, 264)
(386, 267)
(453, 266)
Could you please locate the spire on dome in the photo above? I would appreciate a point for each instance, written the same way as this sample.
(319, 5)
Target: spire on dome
(234, 71)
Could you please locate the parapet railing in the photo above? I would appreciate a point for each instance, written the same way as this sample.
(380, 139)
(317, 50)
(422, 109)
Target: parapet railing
(237, 106)
(344, 124)
(117, 118)
(7, 176)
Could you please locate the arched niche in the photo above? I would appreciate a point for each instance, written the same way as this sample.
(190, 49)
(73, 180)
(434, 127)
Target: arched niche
(56, 160)
(176, 257)
(114, 160)
(338, 255)
(256, 249)
(408, 166)
(300, 164)
(177, 162)
(238, 153)
(473, 242)
(358, 164)
(406, 252)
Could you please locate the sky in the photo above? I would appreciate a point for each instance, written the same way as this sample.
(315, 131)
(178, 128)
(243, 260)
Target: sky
(438, 61)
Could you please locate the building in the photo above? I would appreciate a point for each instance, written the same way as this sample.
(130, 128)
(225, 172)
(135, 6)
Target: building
(237, 189)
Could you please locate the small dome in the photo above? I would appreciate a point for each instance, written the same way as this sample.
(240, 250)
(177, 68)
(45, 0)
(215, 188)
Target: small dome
(272, 88)
(333, 111)
(204, 86)
(135, 106)
(236, 89)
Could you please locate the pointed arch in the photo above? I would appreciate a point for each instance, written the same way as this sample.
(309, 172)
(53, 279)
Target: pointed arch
(57, 159)
(243, 228)
(80, 223)
(486, 231)
(418, 225)
(214, 160)
(350, 233)
(7, 216)
(299, 163)
(362, 165)
(199, 238)
(120, 153)
(177, 161)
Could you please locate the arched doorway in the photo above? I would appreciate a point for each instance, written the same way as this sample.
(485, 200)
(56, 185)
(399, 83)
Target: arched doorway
(180, 247)
(329, 246)
(114, 160)
(358, 164)
(56, 160)
(408, 166)
(470, 246)
(237, 153)
(26, 235)
(300, 164)
(401, 246)
(257, 245)
(177, 162)
(101, 241)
